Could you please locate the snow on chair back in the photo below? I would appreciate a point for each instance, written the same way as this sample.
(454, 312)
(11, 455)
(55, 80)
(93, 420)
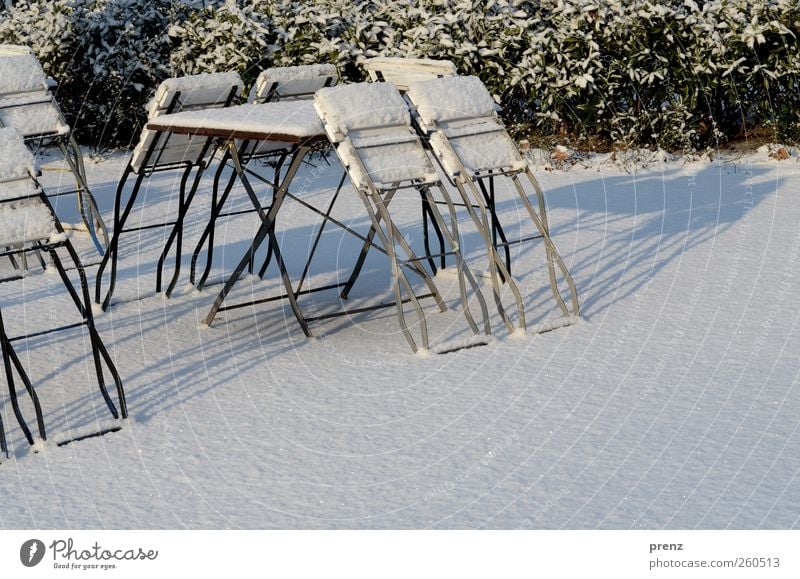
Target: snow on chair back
(371, 125)
(403, 71)
(470, 134)
(292, 82)
(174, 95)
(25, 99)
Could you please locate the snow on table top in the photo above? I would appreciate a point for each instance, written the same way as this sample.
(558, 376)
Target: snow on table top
(360, 106)
(443, 99)
(207, 88)
(280, 119)
(16, 159)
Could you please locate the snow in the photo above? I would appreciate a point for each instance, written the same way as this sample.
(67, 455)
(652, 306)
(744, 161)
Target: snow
(672, 404)
(359, 106)
(16, 160)
(25, 100)
(21, 73)
(26, 222)
(477, 152)
(391, 156)
(446, 99)
(376, 119)
(19, 187)
(199, 89)
(306, 71)
(465, 133)
(294, 81)
(296, 118)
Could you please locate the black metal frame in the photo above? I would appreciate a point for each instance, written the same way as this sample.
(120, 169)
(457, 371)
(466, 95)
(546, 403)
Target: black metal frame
(278, 156)
(148, 166)
(82, 301)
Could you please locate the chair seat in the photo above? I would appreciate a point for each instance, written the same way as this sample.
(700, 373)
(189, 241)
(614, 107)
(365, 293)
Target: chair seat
(478, 147)
(387, 160)
(26, 223)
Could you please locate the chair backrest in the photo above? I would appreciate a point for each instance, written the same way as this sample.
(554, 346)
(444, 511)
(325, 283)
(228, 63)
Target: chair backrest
(403, 71)
(202, 91)
(25, 99)
(292, 82)
(371, 127)
(465, 132)
(24, 217)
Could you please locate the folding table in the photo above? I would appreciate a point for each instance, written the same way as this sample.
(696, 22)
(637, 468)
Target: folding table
(295, 124)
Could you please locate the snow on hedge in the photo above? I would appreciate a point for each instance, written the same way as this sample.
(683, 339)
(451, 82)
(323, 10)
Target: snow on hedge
(679, 74)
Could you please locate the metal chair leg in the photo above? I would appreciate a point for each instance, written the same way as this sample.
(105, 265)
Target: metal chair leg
(87, 204)
(111, 255)
(464, 274)
(427, 204)
(84, 307)
(496, 226)
(11, 362)
(176, 234)
(496, 267)
(318, 235)
(553, 257)
(375, 206)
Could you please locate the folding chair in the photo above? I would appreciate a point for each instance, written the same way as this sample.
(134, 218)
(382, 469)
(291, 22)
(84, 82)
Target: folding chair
(370, 127)
(472, 145)
(27, 104)
(273, 84)
(162, 151)
(401, 72)
(28, 223)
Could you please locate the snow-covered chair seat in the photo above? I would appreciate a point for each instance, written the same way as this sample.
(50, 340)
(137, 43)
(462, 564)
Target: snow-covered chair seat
(460, 118)
(403, 71)
(186, 93)
(24, 218)
(370, 127)
(28, 105)
(28, 224)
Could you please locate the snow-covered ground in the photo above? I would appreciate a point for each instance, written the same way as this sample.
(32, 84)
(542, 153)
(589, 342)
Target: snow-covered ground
(672, 404)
